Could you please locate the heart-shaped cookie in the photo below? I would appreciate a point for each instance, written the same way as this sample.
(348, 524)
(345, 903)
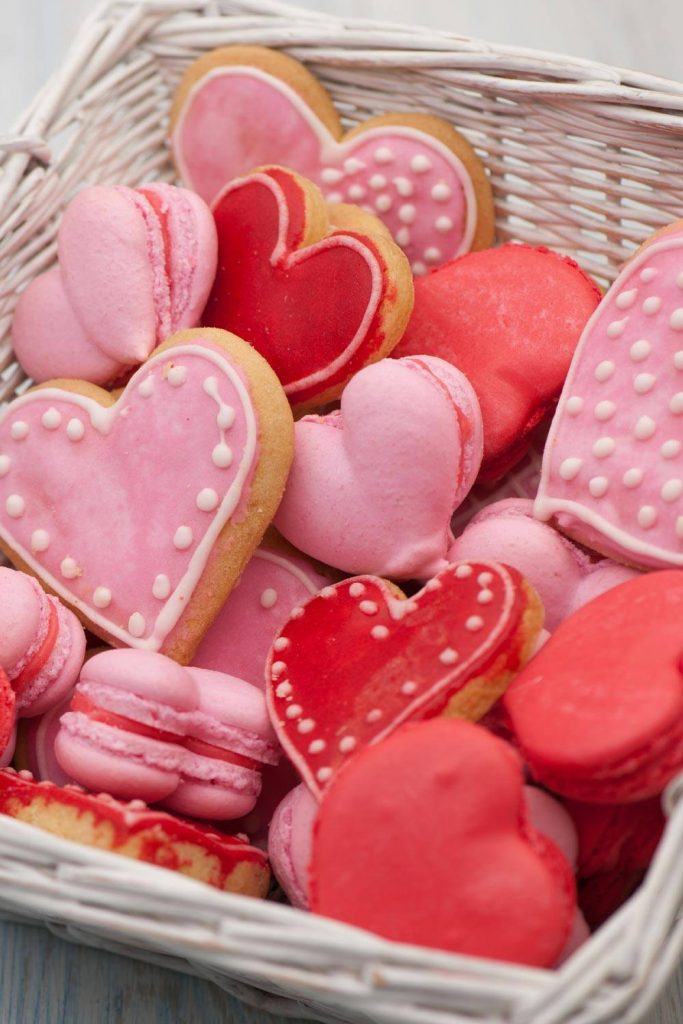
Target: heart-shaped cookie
(425, 838)
(319, 293)
(140, 513)
(360, 658)
(240, 107)
(612, 472)
(374, 485)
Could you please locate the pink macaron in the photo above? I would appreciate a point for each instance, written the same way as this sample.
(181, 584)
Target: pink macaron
(42, 643)
(290, 841)
(564, 575)
(374, 485)
(141, 726)
(135, 265)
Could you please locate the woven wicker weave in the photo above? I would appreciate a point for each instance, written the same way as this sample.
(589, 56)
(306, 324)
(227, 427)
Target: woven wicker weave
(584, 158)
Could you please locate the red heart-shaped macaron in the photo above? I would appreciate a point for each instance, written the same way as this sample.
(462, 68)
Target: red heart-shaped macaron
(318, 292)
(424, 838)
(359, 659)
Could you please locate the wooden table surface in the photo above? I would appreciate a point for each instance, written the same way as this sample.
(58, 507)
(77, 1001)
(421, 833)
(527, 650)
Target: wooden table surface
(43, 979)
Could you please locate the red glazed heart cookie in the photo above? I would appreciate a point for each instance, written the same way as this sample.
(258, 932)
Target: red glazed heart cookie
(510, 319)
(613, 465)
(598, 713)
(425, 839)
(360, 658)
(318, 292)
(141, 512)
(243, 106)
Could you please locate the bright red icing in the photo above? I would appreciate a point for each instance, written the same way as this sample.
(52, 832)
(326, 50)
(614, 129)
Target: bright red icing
(7, 710)
(335, 683)
(450, 860)
(509, 319)
(598, 713)
(42, 655)
(301, 312)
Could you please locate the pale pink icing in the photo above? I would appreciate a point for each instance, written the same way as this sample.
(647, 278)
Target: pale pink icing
(240, 636)
(414, 183)
(119, 515)
(563, 574)
(377, 495)
(110, 300)
(613, 464)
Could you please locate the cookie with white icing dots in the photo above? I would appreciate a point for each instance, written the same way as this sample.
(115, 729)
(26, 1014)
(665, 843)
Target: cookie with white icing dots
(243, 106)
(613, 465)
(319, 290)
(141, 511)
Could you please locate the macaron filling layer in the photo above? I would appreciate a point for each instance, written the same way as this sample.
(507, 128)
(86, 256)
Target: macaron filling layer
(129, 745)
(131, 707)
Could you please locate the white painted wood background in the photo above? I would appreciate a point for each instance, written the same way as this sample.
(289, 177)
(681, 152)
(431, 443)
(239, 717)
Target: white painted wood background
(44, 980)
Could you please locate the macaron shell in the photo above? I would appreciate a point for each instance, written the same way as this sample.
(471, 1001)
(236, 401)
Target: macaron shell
(145, 674)
(50, 341)
(233, 702)
(597, 713)
(290, 843)
(212, 801)
(106, 265)
(20, 616)
(104, 771)
(549, 817)
(479, 881)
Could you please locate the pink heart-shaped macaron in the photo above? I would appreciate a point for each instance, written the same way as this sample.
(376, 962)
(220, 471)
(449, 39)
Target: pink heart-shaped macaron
(374, 485)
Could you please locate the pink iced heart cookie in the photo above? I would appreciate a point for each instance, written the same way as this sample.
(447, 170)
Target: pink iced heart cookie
(242, 107)
(612, 472)
(276, 580)
(140, 513)
(135, 265)
(360, 658)
(374, 485)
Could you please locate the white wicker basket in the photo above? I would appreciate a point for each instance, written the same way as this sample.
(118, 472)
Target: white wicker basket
(584, 158)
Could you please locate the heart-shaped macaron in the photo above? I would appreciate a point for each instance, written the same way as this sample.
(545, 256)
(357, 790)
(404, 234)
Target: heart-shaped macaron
(374, 485)
(360, 658)
(598, 712)
(241, 107)
(509, 318)
(141, 512)
(612, 472)
(318, 292)
(425, 838)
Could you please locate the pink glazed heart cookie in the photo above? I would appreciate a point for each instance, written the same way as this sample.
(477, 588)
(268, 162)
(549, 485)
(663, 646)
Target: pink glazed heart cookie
(374, 485)
(141, 512)
(360, 658)
(319, 291)
(244, 106)
(426, 839)
(276, 580)
(612, 472)
(135, 265)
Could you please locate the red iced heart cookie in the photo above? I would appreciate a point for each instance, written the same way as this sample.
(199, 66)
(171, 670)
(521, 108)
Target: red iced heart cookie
(141, 512)
(509, 319)
(598, 713)
(360, 658)
(241, 107)
(318, 293)
(612, 472)
(425, 839)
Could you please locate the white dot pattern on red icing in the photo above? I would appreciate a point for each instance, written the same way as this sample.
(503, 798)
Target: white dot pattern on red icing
(630, 488)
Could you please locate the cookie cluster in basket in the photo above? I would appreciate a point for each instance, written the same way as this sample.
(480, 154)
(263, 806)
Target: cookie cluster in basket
(275, 574)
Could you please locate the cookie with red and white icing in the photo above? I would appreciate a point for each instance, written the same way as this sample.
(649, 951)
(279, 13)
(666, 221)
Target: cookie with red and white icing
(360, 658)
(598, 712)
(243, 106)
(277, 579)
(425, 838)
(141, 512)
(319, 291)
(612, 472)
(374, 484)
